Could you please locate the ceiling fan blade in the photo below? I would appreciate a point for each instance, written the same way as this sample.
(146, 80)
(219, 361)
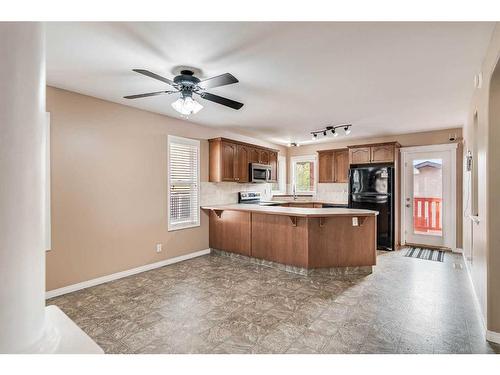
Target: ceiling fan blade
(148, 94)
(220, 100)
(155, 76)
(222, 80)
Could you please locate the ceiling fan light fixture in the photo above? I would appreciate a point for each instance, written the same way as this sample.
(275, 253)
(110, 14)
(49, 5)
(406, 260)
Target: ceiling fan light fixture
(187, 106)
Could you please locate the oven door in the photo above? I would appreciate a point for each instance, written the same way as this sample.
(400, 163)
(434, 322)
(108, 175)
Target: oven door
(260, 172)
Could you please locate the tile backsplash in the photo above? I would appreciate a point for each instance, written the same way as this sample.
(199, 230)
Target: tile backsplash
(337, 193)
(227, 192)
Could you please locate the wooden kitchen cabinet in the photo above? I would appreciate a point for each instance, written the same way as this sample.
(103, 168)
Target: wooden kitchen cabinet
(264, 157)
(273, 162)
(382, 154)
(359, 155)
(254, 155)
(325, 166)
(333, 166)
(229, 152)
(301, 204)
(341, 166)
(230, 160)
(375, 153)
(242, 164)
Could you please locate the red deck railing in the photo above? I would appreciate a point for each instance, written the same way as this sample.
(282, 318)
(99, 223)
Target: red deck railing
(427, 214)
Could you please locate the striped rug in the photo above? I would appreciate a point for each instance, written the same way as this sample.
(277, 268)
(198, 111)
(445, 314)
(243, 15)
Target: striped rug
(423, 253)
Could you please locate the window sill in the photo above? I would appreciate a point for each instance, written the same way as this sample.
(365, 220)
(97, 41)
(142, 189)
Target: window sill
(182, 226)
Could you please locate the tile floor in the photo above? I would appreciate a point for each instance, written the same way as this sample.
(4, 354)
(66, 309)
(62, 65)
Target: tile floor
(215, 304)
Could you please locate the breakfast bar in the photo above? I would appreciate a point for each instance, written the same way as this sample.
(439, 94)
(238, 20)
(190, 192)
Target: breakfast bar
(339, 240)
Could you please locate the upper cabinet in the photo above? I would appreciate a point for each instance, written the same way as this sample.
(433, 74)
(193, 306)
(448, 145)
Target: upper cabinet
(360, 155)
(325, 166)
(341, 167)
(230, 160)
(333, 165)
(375, 153)
(229, 152)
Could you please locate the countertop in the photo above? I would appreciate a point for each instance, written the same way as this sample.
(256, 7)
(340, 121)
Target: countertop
(305, 201)
(291, 211)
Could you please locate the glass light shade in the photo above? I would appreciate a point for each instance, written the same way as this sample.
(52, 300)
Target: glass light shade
(335, 134)
(186, 106)
(347, 130)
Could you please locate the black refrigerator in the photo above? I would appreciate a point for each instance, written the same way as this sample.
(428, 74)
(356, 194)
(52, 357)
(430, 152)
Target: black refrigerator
(372, 188)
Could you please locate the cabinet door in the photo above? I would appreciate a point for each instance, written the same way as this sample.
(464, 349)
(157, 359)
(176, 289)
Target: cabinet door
(341, 166)
(264, 157)
(382, 154)
(325, 160)
(228, 159)
(254, 155)
(243, 164)
(301, 205)
(273, 161)
(359, 155)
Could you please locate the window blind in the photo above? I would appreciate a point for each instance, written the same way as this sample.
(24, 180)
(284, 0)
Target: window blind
(183, 181)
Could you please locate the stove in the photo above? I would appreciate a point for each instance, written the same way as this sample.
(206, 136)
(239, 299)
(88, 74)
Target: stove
(254, 197)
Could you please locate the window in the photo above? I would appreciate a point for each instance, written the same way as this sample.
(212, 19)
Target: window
(304, 174)
(279, 187)
(183, 183)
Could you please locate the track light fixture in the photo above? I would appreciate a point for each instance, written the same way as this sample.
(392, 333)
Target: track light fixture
(333, 129)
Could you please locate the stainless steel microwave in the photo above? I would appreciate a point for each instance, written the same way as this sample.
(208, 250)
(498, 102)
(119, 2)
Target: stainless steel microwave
(260, 172)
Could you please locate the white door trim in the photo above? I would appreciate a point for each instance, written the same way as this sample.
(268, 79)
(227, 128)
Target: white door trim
(452, 149)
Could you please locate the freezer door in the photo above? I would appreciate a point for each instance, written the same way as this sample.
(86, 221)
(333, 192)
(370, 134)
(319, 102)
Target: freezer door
(370, 180)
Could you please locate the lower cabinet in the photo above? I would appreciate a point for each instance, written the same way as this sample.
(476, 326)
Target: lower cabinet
(230, 232)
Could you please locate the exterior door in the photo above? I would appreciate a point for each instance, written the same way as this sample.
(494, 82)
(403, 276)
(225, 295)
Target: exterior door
(429, 197)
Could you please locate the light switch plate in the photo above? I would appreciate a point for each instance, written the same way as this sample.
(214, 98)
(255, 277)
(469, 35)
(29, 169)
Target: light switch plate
(355, 222)
(159, 248)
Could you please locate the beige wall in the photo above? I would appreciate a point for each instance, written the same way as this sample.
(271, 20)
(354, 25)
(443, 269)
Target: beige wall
(482, 240)
(109, 192)
(406, 140)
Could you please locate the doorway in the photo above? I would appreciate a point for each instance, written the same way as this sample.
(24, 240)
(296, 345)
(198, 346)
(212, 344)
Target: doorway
(428, 205)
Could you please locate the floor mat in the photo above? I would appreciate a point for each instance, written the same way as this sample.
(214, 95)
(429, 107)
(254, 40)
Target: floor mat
(423, 253)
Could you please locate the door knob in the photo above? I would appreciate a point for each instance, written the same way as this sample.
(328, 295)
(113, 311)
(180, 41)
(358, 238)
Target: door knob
(408, 205)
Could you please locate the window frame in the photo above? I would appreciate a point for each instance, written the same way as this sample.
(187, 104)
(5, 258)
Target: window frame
(281, 172)
(309, 158)
(193, 142)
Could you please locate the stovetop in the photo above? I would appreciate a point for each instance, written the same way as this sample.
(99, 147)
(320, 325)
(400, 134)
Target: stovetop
(254, 197)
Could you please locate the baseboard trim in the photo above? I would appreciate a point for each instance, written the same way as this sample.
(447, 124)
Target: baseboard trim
(476, 299)
(118, 275)
(493, 336)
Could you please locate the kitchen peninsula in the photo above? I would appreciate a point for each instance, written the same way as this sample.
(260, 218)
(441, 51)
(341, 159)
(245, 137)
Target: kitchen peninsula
(303, 240)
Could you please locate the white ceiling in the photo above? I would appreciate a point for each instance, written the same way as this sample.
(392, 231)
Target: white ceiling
(384, 78)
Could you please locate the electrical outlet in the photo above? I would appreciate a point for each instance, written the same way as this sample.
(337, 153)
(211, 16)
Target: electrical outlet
(159, 248)
(355, 222)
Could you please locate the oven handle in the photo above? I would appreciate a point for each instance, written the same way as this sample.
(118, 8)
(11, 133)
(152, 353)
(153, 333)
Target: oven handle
(268, 174)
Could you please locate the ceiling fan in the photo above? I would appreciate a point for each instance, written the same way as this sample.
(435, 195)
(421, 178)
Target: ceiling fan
(188, 85)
